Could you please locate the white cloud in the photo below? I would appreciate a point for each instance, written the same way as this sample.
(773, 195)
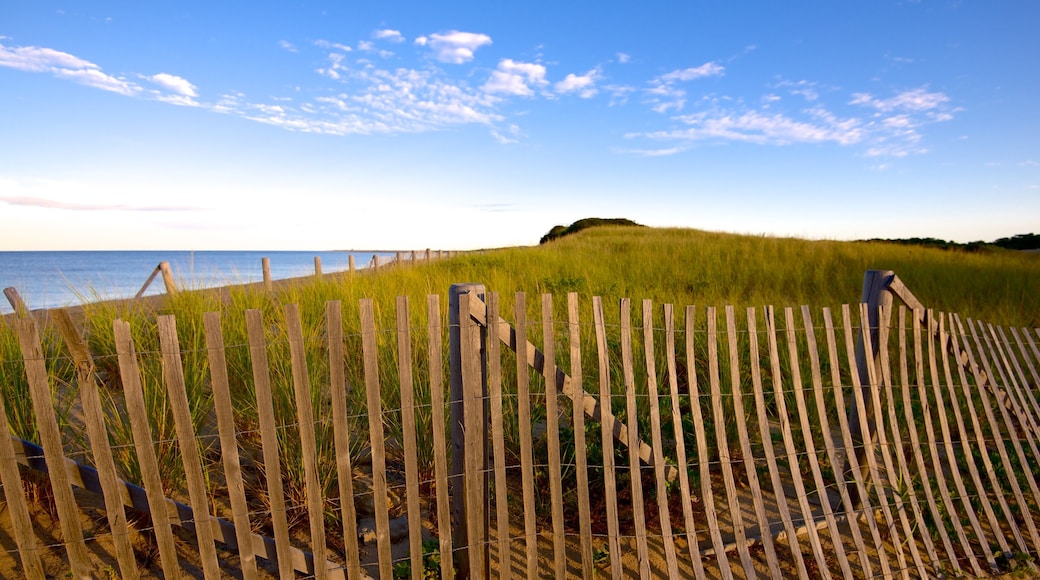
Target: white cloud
(286, 45)
(516, 78)
(387, 34)
(93, 77)
(664, 96)
(333, 45)
(760, 128)
(63, 65)
(174, 83)
(708, 69)
(623, 58)
(584, 85)
(912, 100)
(365, 45)
(454, 47)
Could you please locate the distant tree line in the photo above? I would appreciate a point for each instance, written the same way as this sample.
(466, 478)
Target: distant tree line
(560, 231)
(1017, 242)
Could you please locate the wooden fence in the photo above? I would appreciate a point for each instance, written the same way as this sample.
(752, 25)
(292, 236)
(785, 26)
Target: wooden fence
(863, 441)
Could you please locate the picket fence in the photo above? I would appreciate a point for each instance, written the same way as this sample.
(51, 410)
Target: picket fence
(868, 441)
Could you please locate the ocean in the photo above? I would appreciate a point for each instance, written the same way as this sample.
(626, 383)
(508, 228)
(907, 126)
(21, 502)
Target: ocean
(57, 279)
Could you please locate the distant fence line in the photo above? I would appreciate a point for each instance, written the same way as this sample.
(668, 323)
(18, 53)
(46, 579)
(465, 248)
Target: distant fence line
(866, 441)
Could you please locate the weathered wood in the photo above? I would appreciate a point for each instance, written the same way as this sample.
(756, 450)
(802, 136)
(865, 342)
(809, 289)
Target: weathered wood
(607, 440)
(228, 442)
(655, 432)
(475, 424)
(265, 266)
(580, 456)
(350, 263)
(807, 439)
(765, 432)
(408, 432)
(317, 267)
(93, 417)
(498, 443)
(17, 304)
(341, 436)
(635, 479)
(167, 277)
(440, 445)
(523, 396)
(17, 505)
(269, 439)
(703, 460)
(857, 485)
(552, 433)
(308, 442)
(147, 283)
(173, 377)
(133, 391)
(370, 352)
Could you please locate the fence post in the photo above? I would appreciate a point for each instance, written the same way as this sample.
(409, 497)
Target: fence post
(350, 261)
(317, 266)
(265, 265)
(876, 295)
(19, 307)
(468, 420)
(167, 278)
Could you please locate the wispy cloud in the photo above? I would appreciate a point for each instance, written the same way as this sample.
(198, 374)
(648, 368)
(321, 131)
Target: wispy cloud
(919, 99)
(624, 58)
(757, 127)
(63, 65)
(388, 34)
(454, 47)
(664, 95)
(286, 45)
(40, 202)
(175, 84)
(516, 78)
(584, 85)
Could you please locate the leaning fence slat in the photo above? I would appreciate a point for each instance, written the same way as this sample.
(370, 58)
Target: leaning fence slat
(703, 460)
(607, 440)
(341, 435)
(523, 396)
(747, 455)
(1017, 377)
(47, 424)
(807, 439)
(947, 440)
(655, 431)
(173, 376)
(134, 394)
(854, 468)
(552, 432)
(17, 505)
(812, 348)
(93, 416)
(308, 443)
(881, 381)
(498, 443)
(228, 443)
(1029, 391)
(408, 432)
(915, 446)
(269, 439)
(635, 479)
(440, 444)
(474, 423)
(370, 352)
(580, 457)
(980, 441)
(765, 431)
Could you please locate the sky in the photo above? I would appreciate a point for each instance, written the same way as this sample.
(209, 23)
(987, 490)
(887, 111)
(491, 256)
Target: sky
(463, 125)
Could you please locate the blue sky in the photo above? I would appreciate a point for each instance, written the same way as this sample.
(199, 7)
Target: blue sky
(460, 125)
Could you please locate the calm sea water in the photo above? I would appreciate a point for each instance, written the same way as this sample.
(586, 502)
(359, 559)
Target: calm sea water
(55, 279)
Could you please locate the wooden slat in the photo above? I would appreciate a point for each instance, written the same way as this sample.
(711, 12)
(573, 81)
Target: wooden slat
(269, 440)
(1017, 377)
(17, 505)
(854, 468)
(607, 440)
(747, 454)
(980, 442)
(308, 443)
(94, 418)
(880, 379)
(228, 442)
(765, 432)
(874, 471)
(552, 431)
(947, 439)
(498, 443)
(440, 444)
(173, 376)
(806, 425)
(523, 395)
(475, 428)
(134, 397)
(341, 436)
(784, 416)
(370, 353)
(703, 460)
(1029, 390)
(408, 432)
(915, 446)
(655, 432)
(635, 477)
(581, 466)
